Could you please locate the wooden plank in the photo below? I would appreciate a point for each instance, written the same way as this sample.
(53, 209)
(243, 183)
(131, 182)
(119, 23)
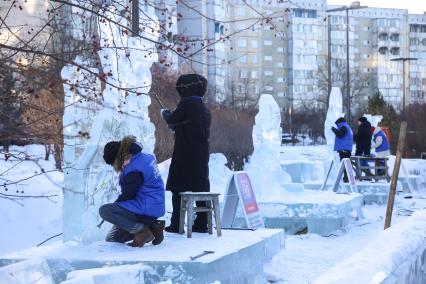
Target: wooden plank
(395, 174)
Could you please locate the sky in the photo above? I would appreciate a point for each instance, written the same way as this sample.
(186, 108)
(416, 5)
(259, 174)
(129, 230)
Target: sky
(413, 6)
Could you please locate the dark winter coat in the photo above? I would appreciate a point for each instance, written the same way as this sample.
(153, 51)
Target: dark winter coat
(189, 169)
(363, 139)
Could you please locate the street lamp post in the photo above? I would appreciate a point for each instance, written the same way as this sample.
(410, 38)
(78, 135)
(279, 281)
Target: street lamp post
(354, 6)
(404, 83)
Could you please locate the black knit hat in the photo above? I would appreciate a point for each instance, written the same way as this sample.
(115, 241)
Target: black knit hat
(111, 151)
(363, 119)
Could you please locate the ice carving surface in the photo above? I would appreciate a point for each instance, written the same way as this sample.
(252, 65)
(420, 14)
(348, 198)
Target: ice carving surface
(34, 271)
(264, 167)
(97, 113)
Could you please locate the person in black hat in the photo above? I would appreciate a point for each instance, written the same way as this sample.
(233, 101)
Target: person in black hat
(134, 214)
(189, 168)
(363, 141)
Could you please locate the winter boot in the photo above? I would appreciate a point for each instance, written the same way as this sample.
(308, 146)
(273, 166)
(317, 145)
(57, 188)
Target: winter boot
(157, 230)
(200, 223)
(143, 237)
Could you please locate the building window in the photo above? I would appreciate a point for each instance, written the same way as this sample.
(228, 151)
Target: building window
(280, 65)
(254, 43)
(394, 51)
(267, 42)
(383, 50)
(269, 88)
(268, 73)
(268, 58)
(254, 58)
(280, 49)
(254, 74)
(242, 43)
(280, 80)
(243, 59)
(281, 94)
(394, 37)
(243, 74)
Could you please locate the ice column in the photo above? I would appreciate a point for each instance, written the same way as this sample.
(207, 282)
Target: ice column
(264, 166)
(335, 110)
(96, 113)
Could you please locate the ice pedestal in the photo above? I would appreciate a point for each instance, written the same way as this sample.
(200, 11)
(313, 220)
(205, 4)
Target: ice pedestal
(320, 212)
(34, 271)
(238, 256)
(376, 193)
(129, 274)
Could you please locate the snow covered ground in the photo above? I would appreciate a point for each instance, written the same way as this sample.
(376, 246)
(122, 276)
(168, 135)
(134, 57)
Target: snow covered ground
(27, 219)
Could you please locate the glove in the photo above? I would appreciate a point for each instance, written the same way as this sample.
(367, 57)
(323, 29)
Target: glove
(164, 112)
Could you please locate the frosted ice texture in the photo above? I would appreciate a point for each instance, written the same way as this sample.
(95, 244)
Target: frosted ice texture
(105, 112)
(264, 166)
(335, 110)
(34, 271)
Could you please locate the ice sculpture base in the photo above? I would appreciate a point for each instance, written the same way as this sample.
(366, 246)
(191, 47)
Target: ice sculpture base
(301, 171)
(238, 256)
(374, 193)
(318, 212)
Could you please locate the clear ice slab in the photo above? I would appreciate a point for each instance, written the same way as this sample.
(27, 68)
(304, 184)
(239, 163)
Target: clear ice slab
(238, 256)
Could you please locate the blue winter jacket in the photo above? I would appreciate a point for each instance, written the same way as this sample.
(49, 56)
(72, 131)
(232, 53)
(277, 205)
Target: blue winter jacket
(346, 142)
(385, 144)
(149, 200)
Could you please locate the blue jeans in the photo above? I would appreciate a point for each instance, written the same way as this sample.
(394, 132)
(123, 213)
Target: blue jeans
(126, 223)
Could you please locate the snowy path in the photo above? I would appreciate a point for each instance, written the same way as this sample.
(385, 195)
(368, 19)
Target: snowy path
(307, 256)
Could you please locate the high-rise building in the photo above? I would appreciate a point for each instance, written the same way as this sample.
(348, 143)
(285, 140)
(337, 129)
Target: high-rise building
(202, 26)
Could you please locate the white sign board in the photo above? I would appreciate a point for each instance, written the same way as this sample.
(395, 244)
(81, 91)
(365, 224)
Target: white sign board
(239, 188)
(345, 165)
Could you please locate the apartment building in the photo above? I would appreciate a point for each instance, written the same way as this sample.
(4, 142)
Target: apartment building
(205, 25)
(280, 56)
(378, 36)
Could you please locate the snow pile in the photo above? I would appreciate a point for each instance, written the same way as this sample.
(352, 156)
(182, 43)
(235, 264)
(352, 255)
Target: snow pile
(129, 274)
(264, 167)
(35, 271)
(395, 256)
(97, 113)
(30, 198)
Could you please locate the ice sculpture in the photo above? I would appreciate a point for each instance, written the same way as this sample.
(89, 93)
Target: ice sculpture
(96, 113)
(374, 119)
(335, 110)
(264, 166)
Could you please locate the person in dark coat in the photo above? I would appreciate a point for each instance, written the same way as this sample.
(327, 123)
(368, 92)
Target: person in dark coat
(363, 137)
(363, 141)
(134, 214)
(344, 141)
(189, 169)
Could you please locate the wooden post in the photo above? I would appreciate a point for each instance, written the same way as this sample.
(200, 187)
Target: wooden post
(395, 174)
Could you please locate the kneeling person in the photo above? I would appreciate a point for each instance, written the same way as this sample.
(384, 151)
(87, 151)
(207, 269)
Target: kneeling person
(134, 214)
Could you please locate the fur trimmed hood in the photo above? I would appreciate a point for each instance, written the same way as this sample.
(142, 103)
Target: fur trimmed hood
(123, 152)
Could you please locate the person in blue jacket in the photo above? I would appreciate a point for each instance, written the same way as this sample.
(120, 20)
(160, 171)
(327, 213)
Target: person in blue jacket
(343, 142)
(134, 214)
(381, 147)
